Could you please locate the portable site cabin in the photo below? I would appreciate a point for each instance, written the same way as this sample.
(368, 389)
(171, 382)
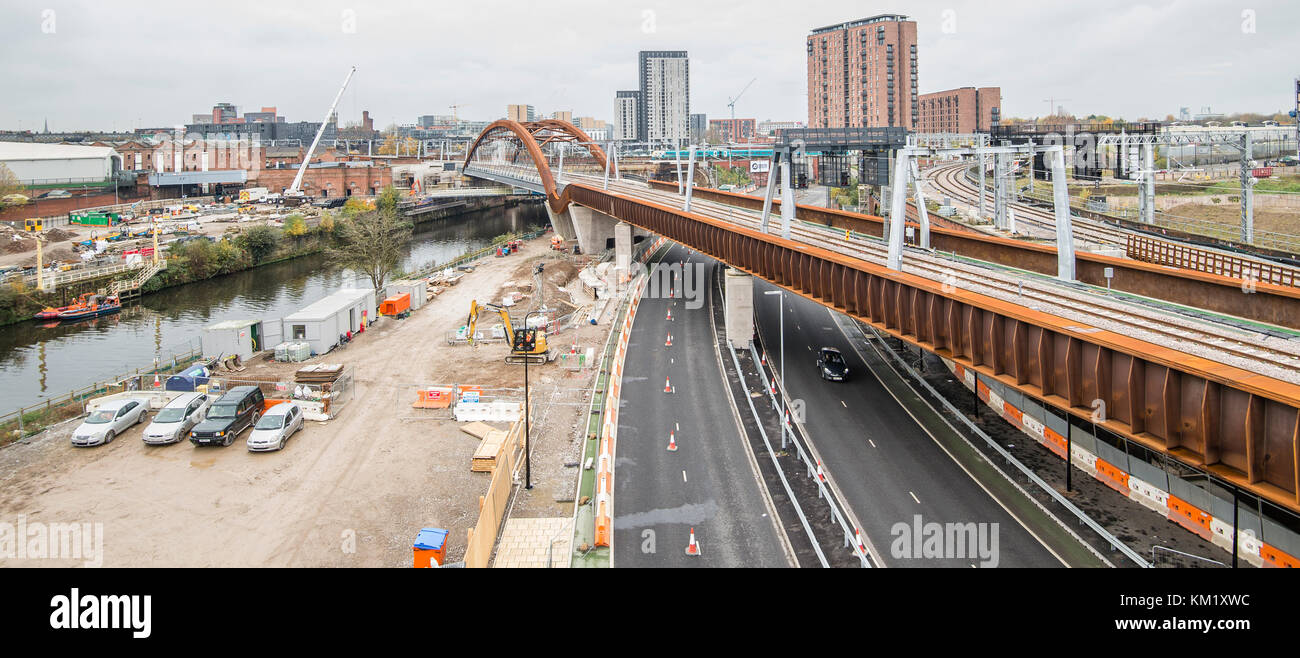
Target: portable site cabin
(417, 288)
(240, 337)
(321, 323)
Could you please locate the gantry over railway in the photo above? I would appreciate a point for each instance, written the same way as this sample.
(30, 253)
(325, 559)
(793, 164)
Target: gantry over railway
(1193, 366)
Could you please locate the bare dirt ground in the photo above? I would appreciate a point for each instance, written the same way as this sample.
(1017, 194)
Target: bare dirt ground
(1229, 215)
(350, 492)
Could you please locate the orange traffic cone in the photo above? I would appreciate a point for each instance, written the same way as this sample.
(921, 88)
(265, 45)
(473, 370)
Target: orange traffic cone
(762, 358)
(669, 342)
(668, 388)
(858, 536)
(693, 548)
(821, 475)
(156, 382)
(672, 441)
(670, 315)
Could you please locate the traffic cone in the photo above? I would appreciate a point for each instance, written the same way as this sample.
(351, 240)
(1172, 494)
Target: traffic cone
(672, 441)
(821, 475)
(669, 342)
(156, 382)
(762, 359)
(693, 548)
(862, 547)
(670, 315)
(668, 388)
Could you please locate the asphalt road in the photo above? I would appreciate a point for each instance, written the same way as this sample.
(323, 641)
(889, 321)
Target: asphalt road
(887, 467)
(708, 483)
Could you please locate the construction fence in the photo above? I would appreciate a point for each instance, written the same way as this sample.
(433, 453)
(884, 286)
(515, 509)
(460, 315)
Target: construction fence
(492, 504)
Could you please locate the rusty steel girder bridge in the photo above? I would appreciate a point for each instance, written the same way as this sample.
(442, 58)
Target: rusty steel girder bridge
(1241, 425)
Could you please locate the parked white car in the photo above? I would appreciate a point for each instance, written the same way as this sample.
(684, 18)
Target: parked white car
(173, 422)
(275, 427)
(108, 420)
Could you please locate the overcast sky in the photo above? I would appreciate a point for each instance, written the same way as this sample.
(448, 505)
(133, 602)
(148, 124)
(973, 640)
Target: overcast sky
(109, 64)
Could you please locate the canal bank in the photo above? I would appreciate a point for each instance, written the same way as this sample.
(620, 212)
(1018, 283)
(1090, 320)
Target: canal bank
(38, 362)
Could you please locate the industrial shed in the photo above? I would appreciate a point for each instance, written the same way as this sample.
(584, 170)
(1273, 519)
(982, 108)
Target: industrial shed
(35, 163)
(321, 323)
(417, 288)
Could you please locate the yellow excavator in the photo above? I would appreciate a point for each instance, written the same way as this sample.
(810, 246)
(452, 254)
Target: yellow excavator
(527, 344)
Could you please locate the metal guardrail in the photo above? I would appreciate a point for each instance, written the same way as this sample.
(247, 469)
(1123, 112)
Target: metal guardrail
(1162, 252)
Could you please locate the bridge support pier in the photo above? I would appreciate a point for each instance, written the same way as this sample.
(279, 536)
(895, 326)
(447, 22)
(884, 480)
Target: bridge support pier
(739, 309)
(593, 229)
(623, 252)
(562, 222)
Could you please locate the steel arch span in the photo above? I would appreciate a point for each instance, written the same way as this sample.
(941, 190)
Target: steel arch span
(532, 139)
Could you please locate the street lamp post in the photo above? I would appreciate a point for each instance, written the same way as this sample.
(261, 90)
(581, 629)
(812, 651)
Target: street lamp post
(780, 294)
(528, 440)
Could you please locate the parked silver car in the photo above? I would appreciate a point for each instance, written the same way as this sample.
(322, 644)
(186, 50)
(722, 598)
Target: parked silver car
(275, 427)
(174, 421)
(108, 420)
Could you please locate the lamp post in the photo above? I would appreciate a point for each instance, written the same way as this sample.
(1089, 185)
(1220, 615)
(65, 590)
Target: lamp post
(781, 294)
(528, 441)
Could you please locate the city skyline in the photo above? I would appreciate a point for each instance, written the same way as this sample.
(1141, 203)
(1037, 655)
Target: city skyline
(159, 80)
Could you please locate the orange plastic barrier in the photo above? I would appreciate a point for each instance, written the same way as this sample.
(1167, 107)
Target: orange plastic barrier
(1055, 442)
(438, 397)
(1112, 476)
(1189, 516)
(1275, 557)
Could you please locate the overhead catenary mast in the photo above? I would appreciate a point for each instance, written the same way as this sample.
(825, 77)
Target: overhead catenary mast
(295, 189)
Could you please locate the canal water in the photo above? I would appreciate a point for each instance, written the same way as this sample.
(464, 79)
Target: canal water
(39, 361)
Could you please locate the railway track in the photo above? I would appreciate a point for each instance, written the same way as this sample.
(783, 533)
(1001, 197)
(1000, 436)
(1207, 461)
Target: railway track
(951, 181)
(1256, 351)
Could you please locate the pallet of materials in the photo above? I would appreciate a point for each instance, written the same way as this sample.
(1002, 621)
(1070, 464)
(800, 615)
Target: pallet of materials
(320, 373)
(489, 451)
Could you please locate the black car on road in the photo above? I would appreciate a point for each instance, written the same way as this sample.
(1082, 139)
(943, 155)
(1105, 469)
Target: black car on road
(231, 414)
(831, 365)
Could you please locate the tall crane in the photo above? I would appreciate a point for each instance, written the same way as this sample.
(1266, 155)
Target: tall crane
(454, 107)
(732, 104)
(295, 190)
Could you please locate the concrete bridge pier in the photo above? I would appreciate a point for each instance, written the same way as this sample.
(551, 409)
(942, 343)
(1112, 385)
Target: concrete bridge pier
(623, 251)
(593, 229)
(562, 222)
(739, 309)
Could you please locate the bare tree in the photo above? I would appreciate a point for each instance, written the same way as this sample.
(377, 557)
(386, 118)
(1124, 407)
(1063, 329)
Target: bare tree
(9, 183)
(372, 242)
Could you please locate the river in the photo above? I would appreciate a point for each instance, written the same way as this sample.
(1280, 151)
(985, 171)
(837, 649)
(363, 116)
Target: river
(39, 361)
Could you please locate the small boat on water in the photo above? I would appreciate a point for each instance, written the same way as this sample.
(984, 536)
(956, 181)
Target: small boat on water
(95, 306)
(52, 313)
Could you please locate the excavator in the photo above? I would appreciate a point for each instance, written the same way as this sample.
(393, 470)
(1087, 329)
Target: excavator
(527, 344)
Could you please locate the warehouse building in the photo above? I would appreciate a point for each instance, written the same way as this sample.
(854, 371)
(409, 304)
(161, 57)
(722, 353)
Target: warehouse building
(36, 164)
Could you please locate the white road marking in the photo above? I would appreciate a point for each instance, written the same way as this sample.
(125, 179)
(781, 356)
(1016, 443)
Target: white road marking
(873, 443)
(845, 405)
(678, 426)
(918, 501)
(683, 476)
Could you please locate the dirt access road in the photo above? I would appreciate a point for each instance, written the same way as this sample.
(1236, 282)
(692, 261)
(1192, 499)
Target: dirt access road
(350, 492)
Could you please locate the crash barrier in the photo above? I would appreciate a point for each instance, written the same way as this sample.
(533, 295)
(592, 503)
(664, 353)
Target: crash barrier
(434, 397)
(488, 412)
(1163, 252)
(604, 516)
(492, 505)
(1260, 541)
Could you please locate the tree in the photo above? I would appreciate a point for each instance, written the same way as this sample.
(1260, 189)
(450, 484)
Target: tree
(9, 183)
(372, 243)
(260, 242)
(295, 225)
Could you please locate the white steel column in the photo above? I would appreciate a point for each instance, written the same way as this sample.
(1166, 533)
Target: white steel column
(920, 207)
(1148, 187)
(898, 210)
(605, 186)
(1247, 193)
(1061, 202)
(690, 179)
(787, 200)
(772, 174)
(983, 165)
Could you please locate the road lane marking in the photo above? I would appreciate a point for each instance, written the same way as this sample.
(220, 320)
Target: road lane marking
(873, 443)
(684, 476)
(845, 405)
(918, 501)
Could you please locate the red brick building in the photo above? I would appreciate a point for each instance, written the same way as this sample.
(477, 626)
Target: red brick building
(964, 110)
(863, 73)
(733, 131)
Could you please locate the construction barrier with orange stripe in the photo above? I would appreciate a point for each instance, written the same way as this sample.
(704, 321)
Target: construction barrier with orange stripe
(1185, 514)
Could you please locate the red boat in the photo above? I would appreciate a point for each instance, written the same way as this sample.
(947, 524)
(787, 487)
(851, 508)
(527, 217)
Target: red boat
(94, 307)
(51, 313)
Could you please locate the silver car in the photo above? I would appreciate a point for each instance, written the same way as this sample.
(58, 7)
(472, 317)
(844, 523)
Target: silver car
(108, 420)
(174, 421)
(275, 427)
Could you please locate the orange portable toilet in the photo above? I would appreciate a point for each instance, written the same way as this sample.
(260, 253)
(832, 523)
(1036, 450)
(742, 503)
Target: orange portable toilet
(396, 304)
(430, 547)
